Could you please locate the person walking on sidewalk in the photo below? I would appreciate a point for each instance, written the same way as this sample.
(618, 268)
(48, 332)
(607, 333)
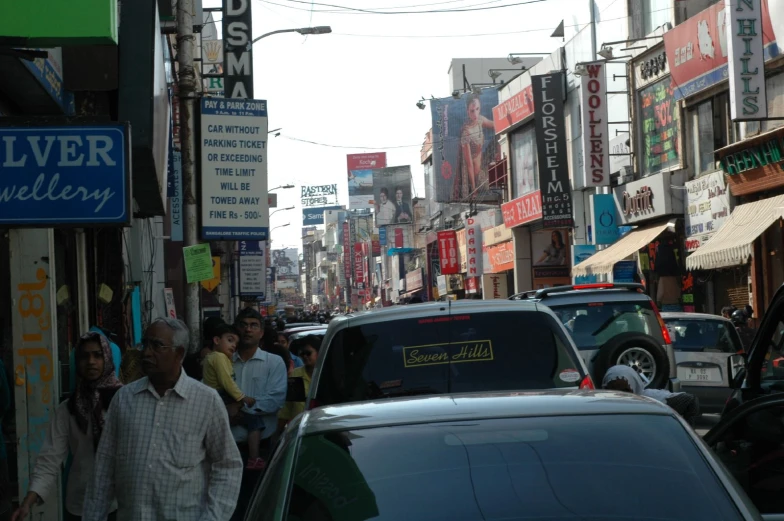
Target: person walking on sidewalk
(167, 446)
(77, 426)
(219, 370)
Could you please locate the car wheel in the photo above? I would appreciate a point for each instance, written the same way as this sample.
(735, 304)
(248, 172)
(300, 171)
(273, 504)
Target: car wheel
(639, 351)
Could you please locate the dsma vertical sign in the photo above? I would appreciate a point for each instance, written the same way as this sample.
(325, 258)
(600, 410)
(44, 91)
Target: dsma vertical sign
(748, 97)
(551, 147)
(237, 45)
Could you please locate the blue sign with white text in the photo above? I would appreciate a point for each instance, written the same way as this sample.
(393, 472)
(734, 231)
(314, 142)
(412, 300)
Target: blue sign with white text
(316, 215)
(605, 219)
(382, 236)
(52, 176)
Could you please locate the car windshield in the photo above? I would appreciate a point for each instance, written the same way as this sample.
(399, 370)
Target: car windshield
(598, 468)
(592, 324)
(700, 335)
(447, 354)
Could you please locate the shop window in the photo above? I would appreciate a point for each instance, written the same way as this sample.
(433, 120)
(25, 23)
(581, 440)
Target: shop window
(655, 13)
(524, 163)
(659, 124)
(709, 133)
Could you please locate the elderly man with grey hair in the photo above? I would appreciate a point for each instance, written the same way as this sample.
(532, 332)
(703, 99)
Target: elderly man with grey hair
(166, 451)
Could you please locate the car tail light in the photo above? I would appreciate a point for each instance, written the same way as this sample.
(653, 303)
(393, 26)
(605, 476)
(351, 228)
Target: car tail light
(665, 331)
(587, 383)
(600, 285)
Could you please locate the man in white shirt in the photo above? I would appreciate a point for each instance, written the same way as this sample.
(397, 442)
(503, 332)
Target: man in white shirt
(385, 214)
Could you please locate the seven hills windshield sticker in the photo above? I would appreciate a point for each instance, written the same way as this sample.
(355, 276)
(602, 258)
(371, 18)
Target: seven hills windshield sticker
(448, 353)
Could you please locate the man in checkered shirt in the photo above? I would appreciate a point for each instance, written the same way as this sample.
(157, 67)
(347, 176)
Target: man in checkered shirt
(166, 451)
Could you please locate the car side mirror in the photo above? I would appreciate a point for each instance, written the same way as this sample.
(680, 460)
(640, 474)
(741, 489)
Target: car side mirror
(736, 369)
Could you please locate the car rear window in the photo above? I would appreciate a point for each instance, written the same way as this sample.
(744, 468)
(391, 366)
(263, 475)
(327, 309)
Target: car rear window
(447, 354)
(592, 324)
(602, 468)
(707, 336)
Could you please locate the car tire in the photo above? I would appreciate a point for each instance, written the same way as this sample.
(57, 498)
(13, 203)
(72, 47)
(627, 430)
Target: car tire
(619, 350)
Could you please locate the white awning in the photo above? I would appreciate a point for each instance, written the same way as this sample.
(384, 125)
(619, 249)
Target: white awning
(602, 262)
(733, 243)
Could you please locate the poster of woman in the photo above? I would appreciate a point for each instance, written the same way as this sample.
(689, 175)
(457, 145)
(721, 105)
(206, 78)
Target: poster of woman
(552, 260)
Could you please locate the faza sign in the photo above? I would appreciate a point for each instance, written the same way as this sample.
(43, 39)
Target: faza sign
(748, 98)
(596, 146)
(55, 176)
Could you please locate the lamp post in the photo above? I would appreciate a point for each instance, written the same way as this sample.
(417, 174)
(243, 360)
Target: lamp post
(322, 29)
(282, 187)
(281, 210)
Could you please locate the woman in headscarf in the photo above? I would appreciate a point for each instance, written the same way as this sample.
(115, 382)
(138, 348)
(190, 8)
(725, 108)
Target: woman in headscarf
(77, 425)
(625, 378)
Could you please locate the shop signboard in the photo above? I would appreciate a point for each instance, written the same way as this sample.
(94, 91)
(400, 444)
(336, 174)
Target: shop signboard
(359, 265)
(581, 252)
(522, 210)
(596, 148)
(496, 235)
(554, 183)
(414, 280)
(319, 195)
(360, 178)
(253, 270)
(175, 201)
(473, 233)
(659, 120)
(49, 73)
(649, 198)
(65, 176)
(495, 286)
(76, 22)
(311, 216)
(447, 252)
(605, 219)
(234, 169)
(501, 257)
(748, 93)
(707, 208)
(624, 271)
(513, 110)
(550, 253)
(238, 49)
(346, 252)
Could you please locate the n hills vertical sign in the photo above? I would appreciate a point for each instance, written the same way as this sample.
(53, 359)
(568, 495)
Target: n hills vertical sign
(237, 49)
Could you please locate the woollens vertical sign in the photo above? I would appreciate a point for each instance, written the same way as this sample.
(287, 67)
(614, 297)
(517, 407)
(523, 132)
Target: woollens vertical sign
(237, 49)
(748, 97)
(551, 148)
(594, 111)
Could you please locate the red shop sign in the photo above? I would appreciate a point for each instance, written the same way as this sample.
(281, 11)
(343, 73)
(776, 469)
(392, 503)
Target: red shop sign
(523, 209)
(359, 263)
(346, 252)
(514, 110)
(501, 257)
(447, 252)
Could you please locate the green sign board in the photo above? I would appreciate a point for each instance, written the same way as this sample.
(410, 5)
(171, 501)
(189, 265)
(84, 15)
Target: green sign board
(55, 23)
(198, 263)
(755, 156)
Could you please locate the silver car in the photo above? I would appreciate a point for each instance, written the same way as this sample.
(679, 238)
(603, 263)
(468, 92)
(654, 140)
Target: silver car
(702, 344)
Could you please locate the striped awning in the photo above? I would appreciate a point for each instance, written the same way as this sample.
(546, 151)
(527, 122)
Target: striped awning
(602, 262)
(733, 243)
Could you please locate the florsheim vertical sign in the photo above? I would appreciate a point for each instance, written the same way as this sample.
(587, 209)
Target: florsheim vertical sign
(237, 49)
(748, 98)
(551, 147)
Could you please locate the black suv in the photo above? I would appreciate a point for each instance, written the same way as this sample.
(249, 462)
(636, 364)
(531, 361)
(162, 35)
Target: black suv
(614, 324)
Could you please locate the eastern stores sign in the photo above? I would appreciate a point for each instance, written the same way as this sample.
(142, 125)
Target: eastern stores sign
(234, 169)
(64, 175)
(748, 98)
(594, 111)
(237, 45)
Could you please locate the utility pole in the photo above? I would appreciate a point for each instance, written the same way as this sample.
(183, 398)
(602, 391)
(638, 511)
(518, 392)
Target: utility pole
(187, 84)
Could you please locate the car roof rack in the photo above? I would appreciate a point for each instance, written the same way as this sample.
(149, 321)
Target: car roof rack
(540, 293)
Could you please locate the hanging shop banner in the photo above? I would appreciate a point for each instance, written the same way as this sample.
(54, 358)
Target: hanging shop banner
(525, 209)
(513, 110)
(596, 148)
(660, 122)
(392, 186)
(346, 252)
(447, 252)
(473, 232)
(501, 257)
(319, 195)
(359, 266)
(708, 207)
(698, 48)
(495, 286)
(550, 251)
(464, 146)
(237, 49)
(551, 146)
(175, 201)
(605, 219)
(253, 270)
(60, 176)
(311, 216)
(748, 93)
(234, 169)
(360, 178)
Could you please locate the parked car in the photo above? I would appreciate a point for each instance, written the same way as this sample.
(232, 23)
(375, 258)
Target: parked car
(614, 324)
(702, 344)
(556, 455)
(445, 347)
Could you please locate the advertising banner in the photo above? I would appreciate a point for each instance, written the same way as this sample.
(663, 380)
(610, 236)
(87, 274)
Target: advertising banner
(392, 186)
(748, 93)
(522, 210)
(550, 250)
(464, 146)
(551, 146)
(234, 169)
(311, 216)
(346, 252)
(501, 257)
(582, 252)
(447, 252)
(605, 219)
(660, 116)
(319, 195)
(253, 270)
(175, 201)
(513, 110)
(596, 148)
(359, 266)
(473, 232)
(360, 178)
(399, 236)
(708, 207)
(285, 262)
(65, 175)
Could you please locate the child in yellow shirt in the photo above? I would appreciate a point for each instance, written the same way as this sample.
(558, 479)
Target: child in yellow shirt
(218, 367)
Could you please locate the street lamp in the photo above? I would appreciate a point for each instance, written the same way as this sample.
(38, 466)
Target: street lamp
(283, 187)
(276, 227)
(281, 210)
(322, 29)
